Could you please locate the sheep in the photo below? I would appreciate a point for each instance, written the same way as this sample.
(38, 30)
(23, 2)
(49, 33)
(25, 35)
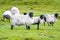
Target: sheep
(7, 15)
(38, 20)
(50, 19)
(19, 19)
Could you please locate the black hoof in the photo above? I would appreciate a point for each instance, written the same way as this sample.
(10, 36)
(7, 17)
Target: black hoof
(28, 27)
(11, 27)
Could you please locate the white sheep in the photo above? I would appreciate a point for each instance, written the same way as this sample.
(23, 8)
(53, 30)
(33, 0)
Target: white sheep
(50, 19)
(19, 19)
(7, 14)
(38, 20)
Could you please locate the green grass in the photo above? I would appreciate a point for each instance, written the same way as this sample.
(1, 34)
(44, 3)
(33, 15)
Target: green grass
(38, 7)
(20, 32)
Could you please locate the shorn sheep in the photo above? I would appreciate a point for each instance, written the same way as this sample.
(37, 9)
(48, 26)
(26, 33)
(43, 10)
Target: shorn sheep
(50, 19)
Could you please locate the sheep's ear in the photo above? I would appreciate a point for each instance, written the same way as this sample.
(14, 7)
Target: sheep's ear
(56, 15)
(31, 14)
(25, 13)
(41, 16)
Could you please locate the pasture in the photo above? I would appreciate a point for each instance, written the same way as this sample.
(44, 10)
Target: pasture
(20, 32)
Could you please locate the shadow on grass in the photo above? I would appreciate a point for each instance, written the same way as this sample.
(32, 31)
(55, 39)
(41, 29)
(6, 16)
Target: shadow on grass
(28, 38)
(4, 38)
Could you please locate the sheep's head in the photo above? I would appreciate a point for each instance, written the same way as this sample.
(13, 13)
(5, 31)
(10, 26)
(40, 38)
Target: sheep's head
(56, 15)
(31, 14)
(41, 16)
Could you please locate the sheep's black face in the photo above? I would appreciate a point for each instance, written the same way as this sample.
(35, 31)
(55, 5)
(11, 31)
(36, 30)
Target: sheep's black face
(31, 14)
(25, 13)
(41, 16)
(56, 15)
(6, 16)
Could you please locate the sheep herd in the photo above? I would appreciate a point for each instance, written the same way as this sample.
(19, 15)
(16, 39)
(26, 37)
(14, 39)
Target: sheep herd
(28, 18)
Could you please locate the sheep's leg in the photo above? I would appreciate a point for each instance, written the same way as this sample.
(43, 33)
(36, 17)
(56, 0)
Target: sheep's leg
(44, 23)
(27, 27)
(38, 25)
(52, 24)
(44, 20)
(11, 27)
(48, 24)
(3, 19)
(9, 20)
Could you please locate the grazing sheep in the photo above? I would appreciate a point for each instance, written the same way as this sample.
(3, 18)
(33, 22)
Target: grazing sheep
(7, 15)
(50, 19)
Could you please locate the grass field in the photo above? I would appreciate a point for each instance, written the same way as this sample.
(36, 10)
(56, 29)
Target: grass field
(20, 32)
